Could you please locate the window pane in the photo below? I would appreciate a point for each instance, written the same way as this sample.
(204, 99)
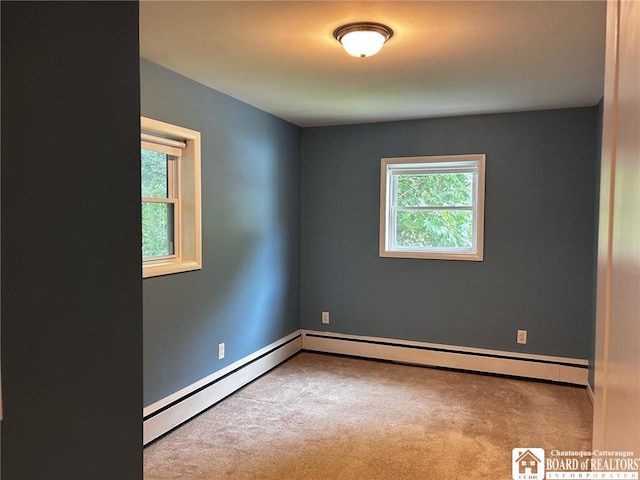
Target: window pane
(154, 174)
(157, 230)
(434, 229)
(434, 190)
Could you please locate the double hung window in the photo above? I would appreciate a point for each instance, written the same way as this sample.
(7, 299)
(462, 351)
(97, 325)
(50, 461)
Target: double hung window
(160, 200)
(170, 191)
(432, 207)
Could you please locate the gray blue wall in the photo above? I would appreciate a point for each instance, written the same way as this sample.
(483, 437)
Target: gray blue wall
(247, 293)
(539, 234)
(290, 228)
(71, 286)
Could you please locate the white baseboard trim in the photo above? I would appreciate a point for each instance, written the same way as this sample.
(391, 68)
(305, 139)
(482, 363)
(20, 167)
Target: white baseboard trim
(175, 409)
(557, 369)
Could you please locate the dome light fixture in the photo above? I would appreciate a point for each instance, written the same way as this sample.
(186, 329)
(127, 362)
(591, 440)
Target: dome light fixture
(363, 39)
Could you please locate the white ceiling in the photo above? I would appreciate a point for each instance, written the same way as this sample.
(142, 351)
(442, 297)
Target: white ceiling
(445, 58)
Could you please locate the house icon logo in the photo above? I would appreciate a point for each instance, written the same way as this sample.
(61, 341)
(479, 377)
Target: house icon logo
(527, 463)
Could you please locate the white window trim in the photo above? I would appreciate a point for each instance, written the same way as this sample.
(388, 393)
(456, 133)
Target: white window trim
(188, 255)
(477, 254)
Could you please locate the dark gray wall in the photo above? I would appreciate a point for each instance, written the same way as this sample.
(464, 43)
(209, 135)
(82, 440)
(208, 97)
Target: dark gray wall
(247, 293)
(539, 244)
(71, 286)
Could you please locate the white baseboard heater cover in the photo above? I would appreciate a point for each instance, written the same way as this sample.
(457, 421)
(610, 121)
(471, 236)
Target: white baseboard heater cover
(175, 409)
(169, 412)
(543, 367)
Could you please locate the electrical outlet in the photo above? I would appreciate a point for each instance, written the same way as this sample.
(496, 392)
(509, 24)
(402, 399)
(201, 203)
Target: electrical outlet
(220, 351)
(522, 337)
(325, 317)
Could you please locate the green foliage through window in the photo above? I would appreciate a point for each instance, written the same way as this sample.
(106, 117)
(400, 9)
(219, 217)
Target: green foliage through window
(432, 207)
(434, 229)
(434, 210)
(155, 181)
(157, 229)
(434, 190)
(157, 216)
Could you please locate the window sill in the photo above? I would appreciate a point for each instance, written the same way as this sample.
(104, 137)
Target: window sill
(471, 257)
(158, 269)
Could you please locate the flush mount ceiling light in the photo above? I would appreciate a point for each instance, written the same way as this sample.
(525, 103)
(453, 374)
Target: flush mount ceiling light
(363, 39)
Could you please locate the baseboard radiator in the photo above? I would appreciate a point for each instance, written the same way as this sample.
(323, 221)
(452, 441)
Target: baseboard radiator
(173, 410)
(170, 412)
(543, 367)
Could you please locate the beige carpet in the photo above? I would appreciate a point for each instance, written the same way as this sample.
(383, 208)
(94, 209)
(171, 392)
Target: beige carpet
(327, 417)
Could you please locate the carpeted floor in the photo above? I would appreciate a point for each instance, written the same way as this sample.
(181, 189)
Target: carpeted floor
(327, 417)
